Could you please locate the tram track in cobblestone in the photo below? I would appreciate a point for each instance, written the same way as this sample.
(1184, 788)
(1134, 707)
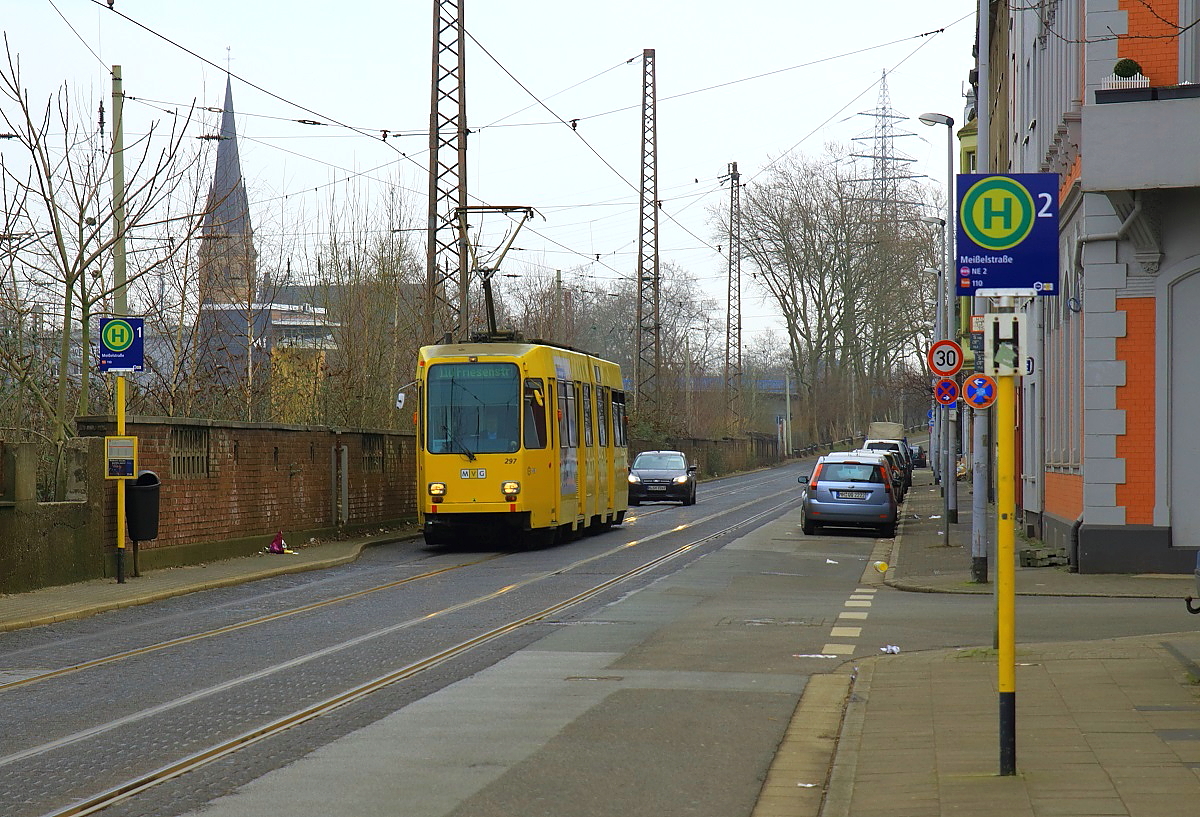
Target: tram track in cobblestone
(241, 625)
(176, 768)
(51, 674)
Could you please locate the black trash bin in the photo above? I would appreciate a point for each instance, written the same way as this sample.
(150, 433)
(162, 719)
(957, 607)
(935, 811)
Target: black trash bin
(141, 506)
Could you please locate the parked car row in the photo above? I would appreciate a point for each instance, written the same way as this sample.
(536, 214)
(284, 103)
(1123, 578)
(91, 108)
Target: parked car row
(861, 488)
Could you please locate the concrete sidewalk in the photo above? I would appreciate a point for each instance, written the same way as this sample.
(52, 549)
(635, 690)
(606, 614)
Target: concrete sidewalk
(1107, 727)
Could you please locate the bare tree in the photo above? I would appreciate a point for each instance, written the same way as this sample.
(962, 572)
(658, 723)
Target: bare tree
(847, 281)
(369, 283)
(59, 232)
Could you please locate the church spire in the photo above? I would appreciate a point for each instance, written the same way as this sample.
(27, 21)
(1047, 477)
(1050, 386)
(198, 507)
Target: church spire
(227, 257)
(228, 211)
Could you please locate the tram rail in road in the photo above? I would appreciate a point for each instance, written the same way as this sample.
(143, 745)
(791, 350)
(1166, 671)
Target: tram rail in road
(50, 674)
(139, 783)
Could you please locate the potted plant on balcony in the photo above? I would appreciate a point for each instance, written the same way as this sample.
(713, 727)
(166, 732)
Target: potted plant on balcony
(1185, 90)
(1127, 84)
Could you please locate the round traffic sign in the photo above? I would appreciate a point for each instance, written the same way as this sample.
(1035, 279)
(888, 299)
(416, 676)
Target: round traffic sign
(117, 335)
(979, 391)
(945, 358)
(997, 213)
(945, 391)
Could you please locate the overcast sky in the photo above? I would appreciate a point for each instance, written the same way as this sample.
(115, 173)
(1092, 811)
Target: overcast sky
(745, 82)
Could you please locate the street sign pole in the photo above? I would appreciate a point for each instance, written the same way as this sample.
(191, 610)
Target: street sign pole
(1006, 570)
(945, 358)
(1008, 247)
(1004, 350)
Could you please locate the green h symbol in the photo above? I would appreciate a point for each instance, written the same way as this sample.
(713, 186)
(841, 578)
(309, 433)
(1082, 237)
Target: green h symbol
(1004, 211)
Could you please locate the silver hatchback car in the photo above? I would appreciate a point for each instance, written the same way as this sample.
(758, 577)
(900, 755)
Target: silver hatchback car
(851, 490)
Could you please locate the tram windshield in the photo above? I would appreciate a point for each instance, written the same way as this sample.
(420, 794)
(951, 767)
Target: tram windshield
(473, 408)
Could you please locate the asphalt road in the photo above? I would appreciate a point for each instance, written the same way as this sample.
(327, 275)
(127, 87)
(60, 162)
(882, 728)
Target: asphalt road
(663, 693)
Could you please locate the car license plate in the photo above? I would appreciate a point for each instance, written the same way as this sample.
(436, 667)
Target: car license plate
(656, 487)
(852, 495)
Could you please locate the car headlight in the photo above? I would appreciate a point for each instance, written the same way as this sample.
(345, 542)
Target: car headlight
(437, 489)
(510, 487)
(680, 480)
(634, 479)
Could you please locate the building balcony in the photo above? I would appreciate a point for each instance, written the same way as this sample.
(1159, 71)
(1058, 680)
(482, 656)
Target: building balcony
(1135, 139)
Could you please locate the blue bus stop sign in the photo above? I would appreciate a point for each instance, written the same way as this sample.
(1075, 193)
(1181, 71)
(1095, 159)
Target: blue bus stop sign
(1007, 234)
(121, 345)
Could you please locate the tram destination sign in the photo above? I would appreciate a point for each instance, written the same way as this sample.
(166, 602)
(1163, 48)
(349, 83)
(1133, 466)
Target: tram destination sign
(1007, 234)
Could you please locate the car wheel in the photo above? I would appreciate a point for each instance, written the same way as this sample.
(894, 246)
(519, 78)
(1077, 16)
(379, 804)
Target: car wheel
(634, 502)
(691, 498)
(808, 527)
(887, 531)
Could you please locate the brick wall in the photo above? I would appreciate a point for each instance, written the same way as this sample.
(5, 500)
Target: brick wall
(1156, 46)
(1064, 495)
(1136, 399)
(250, 480)
(226, 488)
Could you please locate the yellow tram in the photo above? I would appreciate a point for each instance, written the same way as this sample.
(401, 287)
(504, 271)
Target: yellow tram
(521, 441)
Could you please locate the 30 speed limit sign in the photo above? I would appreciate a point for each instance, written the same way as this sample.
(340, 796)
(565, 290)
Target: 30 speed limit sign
(945, 358)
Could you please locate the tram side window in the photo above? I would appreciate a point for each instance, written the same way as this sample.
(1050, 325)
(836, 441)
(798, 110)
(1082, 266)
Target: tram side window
(620, 439)
(602, 416)
(587, 414)
(562, 413)
(572, 417)
(568, 428)
(535, 413)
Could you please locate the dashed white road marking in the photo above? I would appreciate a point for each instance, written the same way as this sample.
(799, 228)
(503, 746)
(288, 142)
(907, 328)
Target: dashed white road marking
(845, 632)
(838, 649)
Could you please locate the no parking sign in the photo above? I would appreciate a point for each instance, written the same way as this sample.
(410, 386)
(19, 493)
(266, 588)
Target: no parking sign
(979, 391)
(945, 391)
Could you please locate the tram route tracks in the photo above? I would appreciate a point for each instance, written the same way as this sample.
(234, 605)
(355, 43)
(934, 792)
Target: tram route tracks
(95, 803)
(241, 625)
(283, 614)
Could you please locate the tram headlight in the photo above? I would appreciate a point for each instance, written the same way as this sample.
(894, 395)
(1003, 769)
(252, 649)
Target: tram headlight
(510, 488)
(437, 489)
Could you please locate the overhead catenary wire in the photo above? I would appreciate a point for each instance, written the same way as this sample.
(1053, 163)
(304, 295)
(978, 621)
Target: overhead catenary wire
(560, 121)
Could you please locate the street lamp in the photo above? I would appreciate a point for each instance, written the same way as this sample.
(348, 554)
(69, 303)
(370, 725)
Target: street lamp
(937, 449)
(951, 439)
(937, 452)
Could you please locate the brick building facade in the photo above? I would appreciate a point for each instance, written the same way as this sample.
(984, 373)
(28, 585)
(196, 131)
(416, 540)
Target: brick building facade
(1109, 415)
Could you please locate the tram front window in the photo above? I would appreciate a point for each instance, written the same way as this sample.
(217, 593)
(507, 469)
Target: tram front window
(473, 408)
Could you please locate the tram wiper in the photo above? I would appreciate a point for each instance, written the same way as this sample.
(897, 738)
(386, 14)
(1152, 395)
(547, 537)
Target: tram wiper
(452, 437)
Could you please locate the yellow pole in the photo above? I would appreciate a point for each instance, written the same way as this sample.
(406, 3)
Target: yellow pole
(120, 400)
(1006, 569)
